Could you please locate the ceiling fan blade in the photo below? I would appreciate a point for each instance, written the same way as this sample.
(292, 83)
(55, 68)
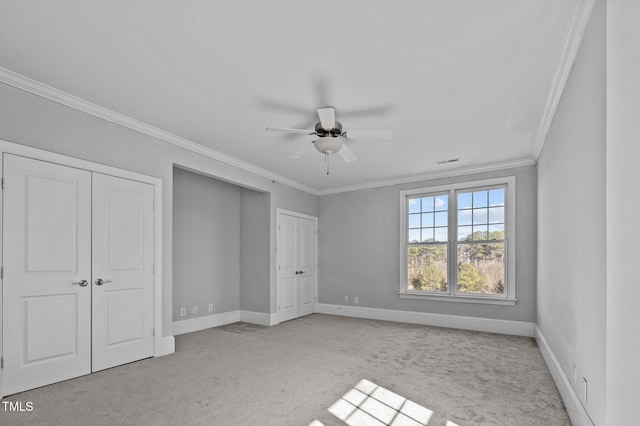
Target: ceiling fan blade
(366, 111)
(368, 134)
(285, 107)
(299, 153)
(346, 154)
(287, 129)
(327, 118)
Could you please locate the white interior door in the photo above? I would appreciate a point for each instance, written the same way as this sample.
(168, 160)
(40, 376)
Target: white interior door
(296, 266)
(122, 271)
(47, 267)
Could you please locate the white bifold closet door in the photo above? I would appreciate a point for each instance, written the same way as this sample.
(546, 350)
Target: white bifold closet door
(78, 272)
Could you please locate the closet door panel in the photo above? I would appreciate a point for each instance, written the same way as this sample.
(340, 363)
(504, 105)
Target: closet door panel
(287, 264)
(47, 260)
(122, 271)
(306, 264)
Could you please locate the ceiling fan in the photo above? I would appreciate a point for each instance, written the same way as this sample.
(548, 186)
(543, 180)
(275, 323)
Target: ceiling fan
(331, 138)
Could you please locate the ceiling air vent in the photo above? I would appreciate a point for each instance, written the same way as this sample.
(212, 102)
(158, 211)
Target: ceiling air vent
(449, 161)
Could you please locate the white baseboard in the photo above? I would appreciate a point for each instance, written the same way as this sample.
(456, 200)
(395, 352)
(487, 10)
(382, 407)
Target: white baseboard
(202, 323)
(517, 328)
(164, 346)
(259, 318)
(575, 409)
(216, 320)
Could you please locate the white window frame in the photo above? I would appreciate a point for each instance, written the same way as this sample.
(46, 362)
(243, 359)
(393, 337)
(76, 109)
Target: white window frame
(509, 296)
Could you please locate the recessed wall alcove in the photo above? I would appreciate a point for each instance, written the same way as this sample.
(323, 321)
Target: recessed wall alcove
(221, 234)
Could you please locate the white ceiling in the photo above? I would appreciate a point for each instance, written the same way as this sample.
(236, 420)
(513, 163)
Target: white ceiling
(476, 79)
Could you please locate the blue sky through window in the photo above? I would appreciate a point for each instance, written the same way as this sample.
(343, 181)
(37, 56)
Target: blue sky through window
(480, 213)
(428, 218)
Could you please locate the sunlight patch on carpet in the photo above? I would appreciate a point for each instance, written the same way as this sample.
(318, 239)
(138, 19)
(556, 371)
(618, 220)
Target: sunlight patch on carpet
(370, 404)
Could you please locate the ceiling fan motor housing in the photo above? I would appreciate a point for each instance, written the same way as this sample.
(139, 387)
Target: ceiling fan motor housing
(334, 133)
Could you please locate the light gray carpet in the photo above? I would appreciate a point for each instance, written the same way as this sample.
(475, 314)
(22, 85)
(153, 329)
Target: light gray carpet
(290, 374)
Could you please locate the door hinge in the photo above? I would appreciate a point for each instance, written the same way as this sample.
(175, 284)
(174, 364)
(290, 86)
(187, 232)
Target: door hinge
(2, 183)
(1, 272)
(2, 362)
(153, 331)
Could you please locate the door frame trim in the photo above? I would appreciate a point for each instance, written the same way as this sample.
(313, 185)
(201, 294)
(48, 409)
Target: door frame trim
(162, 345)
(279, 213)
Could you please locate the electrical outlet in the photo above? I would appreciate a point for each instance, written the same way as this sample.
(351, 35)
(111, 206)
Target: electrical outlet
(346, 299)
(210, 307)
(183, 312)
(195, 310)
(356, 300)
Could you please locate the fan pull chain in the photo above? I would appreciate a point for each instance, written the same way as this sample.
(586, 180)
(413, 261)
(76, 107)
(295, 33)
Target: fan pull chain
(326, 160)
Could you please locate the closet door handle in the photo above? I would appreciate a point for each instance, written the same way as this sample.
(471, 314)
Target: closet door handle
(100, 281)
(81, 283)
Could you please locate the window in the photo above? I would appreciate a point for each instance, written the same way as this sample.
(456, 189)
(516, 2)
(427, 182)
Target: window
(427, 245)
(457, 241)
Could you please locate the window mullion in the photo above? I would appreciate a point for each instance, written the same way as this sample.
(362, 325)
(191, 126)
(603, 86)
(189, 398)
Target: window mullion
(453, 249)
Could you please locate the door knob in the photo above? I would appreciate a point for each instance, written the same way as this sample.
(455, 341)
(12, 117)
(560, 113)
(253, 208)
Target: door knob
(81, 283)
(100, 281)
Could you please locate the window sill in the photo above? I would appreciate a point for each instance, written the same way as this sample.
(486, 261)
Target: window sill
(487, 300)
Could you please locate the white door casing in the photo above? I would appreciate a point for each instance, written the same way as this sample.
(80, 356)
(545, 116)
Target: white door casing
(63, 229)
(297, 259)
(47, 269)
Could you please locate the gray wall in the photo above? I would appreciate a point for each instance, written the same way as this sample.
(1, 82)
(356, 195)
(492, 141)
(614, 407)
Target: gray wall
(623, 205)
(572, 222)
(206, 244)
(220, 246)
(33, 121)
(359, 237)
(254, 251)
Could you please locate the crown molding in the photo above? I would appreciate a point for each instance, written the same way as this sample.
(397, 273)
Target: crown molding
(582, 12)
(45, 91)
(523, 162)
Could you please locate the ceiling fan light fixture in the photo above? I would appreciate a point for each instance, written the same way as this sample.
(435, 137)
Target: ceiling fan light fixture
(328, 145)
